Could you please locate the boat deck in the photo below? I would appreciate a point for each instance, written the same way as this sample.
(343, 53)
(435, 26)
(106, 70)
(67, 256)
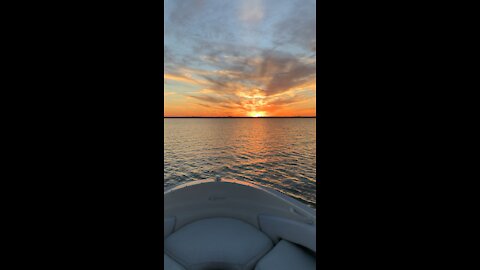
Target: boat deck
(235, 225)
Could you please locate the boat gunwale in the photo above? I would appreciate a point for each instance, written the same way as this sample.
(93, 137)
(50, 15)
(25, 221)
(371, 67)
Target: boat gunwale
(270, 191)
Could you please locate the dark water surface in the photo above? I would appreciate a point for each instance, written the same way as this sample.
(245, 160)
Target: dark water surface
(273, 152)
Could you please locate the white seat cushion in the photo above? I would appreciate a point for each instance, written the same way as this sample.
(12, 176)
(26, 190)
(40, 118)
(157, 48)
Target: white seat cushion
(287, 256)
(218, 243)
(169, 264)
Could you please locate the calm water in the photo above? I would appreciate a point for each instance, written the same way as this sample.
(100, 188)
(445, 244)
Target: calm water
(278, 153)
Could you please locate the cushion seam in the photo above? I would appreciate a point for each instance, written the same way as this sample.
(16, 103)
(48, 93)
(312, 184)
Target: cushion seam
(177, 260)
(259, 256)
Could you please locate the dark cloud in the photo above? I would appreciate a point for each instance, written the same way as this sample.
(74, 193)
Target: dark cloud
(273, 72)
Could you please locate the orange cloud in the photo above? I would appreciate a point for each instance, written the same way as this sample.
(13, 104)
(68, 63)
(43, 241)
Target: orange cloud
(262, 83)
(178, 78)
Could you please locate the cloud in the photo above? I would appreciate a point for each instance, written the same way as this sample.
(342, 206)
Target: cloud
(251, 11)
(252, 81)
(181, 78)
(298, 28)
(198, 19)
(273, 72)
(206, 48)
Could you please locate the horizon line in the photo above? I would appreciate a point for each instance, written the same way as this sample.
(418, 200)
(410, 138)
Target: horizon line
(240, 117)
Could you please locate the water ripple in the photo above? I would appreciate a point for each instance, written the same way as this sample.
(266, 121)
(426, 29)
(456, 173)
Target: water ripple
(277, 153)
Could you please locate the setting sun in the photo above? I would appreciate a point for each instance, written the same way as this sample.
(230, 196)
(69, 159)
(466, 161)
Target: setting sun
(256, 114)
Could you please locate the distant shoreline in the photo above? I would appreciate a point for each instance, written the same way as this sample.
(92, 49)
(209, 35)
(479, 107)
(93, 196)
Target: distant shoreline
(239, 117)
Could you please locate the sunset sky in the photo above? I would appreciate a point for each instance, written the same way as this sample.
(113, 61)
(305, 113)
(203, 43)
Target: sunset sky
(240, 58)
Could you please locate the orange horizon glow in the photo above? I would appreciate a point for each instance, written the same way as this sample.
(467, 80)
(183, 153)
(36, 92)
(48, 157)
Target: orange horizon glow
(200, 112)
(195, 111)
(249, 103)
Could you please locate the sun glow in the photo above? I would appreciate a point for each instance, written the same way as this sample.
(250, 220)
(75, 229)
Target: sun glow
(256, 114)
